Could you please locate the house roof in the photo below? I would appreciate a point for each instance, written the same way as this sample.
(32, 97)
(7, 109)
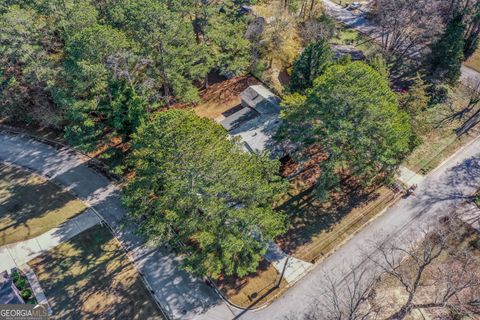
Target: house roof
(8, 292)
(261, 99)
(257, 122)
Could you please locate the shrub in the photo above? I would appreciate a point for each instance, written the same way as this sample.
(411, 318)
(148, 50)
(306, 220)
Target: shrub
(26, 294)
(439, 93)
(21, 283)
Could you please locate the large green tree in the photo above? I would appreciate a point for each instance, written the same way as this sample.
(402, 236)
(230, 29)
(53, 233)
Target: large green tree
(310, 65)
(194, 185)
(353, 115)
(447, 53)
(28, 68)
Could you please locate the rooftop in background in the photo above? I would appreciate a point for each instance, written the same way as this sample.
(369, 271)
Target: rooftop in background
(8, 292)
(256, 121)
(340, 51)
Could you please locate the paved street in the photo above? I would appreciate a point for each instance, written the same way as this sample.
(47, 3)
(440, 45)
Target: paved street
(437, 194)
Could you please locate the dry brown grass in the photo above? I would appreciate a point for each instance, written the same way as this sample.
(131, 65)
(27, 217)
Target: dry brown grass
(90, 277)
(222, 96)
(391, 294)
(318, 229)
(30, 205)
(441, 141)
(255, 289)
(474, 61)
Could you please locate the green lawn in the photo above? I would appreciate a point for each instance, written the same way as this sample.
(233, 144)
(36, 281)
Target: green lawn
(30, 205)
(348, 36)
(90, 277)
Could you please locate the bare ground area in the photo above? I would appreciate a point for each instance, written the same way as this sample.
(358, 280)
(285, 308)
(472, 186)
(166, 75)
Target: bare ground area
(222, 96)
(255, 289)
(318, 228)
(30, 205)
(474, 61)
(389, 293)
(90, 277)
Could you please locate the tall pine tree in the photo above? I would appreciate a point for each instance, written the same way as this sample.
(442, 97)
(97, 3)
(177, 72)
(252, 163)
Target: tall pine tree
(447, 53)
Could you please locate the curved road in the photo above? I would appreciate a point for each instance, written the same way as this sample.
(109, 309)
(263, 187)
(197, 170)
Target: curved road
(446, 187)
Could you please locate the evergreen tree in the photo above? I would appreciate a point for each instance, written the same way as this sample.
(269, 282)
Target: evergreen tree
(310, 65)
(447, 53)
(353, 115)
(196, 186)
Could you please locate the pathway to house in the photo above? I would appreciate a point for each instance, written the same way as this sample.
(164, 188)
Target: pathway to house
(17, 254)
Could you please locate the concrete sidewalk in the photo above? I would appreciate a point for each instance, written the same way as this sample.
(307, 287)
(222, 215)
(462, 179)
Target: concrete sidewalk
(17, 254)
(293, 269)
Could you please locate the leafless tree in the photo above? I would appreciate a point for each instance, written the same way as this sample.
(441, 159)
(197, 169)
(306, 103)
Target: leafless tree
(345, 299)
(454, 284)
(435, 274)
(407, 27)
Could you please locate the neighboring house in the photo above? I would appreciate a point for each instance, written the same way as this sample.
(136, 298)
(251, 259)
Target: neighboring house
(340, 51)
(256, 121)
(9, 294)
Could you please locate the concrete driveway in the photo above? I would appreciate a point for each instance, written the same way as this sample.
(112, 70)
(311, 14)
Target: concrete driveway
(439, 193)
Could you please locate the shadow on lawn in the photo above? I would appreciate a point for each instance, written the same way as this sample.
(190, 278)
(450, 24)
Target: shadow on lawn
(24, 197)
(310, 217)
(91, 277)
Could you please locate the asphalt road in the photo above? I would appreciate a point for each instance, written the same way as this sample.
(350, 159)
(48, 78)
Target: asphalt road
(442, 190)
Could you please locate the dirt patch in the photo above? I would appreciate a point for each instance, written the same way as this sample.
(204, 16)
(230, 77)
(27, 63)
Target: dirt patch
(255, 289)
(222, 96)
(474, 61)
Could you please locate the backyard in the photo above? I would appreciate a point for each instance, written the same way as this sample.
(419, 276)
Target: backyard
(30, 205)
(90, 277)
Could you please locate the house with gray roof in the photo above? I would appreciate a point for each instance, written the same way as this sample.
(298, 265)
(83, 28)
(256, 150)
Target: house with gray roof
(257, 121)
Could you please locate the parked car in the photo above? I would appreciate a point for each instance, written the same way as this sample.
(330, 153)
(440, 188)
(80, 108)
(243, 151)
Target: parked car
(354, 6)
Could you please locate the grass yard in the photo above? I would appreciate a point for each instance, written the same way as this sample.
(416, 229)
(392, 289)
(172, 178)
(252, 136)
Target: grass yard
(349, 36)
(474, 61)
(30, 205)
(255, 289)
(90, 277)
(440, 140)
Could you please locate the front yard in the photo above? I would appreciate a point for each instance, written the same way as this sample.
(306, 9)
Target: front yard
(90, 277)
(30, 205)
(440, 140)
(474, 61)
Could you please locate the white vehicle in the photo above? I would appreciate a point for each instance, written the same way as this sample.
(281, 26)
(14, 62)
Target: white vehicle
(354, 6)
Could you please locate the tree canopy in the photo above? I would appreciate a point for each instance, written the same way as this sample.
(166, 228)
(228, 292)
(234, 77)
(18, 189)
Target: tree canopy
(447, 53)
(196, 186)
(97, 68)
(353, 115)
(310, 65)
